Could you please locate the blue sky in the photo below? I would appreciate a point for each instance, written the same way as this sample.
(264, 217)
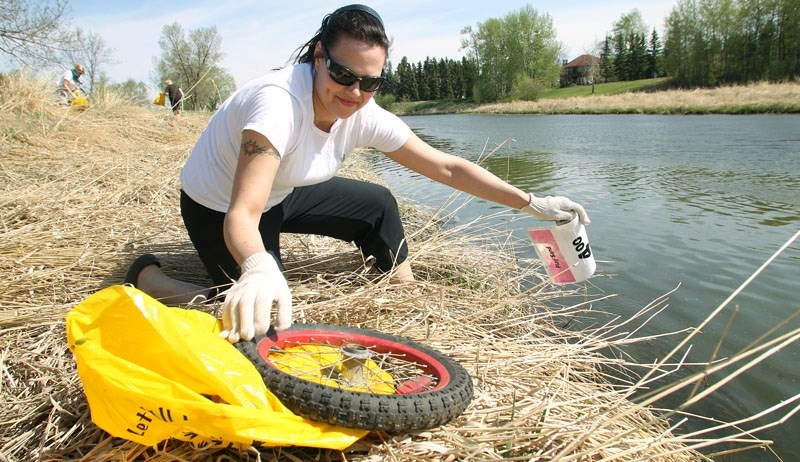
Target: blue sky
(259, 35)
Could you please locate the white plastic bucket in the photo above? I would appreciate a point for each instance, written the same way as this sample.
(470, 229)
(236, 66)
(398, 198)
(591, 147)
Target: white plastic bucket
(564, 249)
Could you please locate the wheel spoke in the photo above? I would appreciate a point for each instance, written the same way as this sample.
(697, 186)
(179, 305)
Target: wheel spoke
(322, 359)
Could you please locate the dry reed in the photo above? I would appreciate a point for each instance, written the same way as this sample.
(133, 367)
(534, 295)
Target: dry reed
(758, 97)
(83, 193)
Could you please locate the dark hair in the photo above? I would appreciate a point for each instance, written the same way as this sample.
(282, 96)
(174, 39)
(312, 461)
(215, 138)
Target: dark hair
(357, 21)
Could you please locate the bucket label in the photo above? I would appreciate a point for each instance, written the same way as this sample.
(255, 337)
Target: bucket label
(565, 251)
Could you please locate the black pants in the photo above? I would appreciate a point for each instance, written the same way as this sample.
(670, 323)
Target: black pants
(351, 210)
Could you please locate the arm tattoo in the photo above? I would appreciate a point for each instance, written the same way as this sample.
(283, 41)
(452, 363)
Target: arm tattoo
(251, 148)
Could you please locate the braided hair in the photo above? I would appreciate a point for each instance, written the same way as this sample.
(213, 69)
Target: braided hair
(356, 21)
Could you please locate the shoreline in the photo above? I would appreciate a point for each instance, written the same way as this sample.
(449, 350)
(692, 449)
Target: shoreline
(760, 98)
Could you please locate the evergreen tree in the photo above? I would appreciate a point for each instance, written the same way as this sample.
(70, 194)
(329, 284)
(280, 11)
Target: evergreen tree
(629, 47)
(422, 83)
(653, 56)
(620, 65)
(606, 60)
(470, 78)
(446, 80)
(406, 82)
(430, 72)
(638, 60)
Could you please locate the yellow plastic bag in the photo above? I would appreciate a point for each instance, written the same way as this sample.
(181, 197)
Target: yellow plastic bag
(161, 99)
(79, 102)
(152, 372)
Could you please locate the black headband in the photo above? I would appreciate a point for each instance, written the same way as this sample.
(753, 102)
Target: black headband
(359, 7)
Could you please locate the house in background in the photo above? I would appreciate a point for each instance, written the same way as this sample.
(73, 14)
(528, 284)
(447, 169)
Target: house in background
(580, 71)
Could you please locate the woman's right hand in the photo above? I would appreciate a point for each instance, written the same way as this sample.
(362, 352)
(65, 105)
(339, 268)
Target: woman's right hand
(247, 309)
(555, 208)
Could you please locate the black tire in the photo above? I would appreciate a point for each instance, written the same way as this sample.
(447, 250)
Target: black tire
(418, 409)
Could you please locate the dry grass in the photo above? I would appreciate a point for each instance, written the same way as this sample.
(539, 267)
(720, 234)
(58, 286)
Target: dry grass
(83, 193)
(760, 97)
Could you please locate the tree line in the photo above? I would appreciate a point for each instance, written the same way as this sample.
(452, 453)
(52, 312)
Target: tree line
(516, 57)
(713, 42)
(432, 79)
(708, 43)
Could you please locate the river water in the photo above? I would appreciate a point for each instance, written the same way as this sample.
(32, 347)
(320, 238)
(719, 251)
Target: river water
(694, 204)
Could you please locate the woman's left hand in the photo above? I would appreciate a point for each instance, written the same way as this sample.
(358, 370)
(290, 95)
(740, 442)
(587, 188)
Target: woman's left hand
(247, 310)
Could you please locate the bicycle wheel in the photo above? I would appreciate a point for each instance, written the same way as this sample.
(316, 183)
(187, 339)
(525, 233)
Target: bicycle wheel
(360, 378)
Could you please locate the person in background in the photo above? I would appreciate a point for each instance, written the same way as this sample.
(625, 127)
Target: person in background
(68, 84)
(175, 95)
(266, 164)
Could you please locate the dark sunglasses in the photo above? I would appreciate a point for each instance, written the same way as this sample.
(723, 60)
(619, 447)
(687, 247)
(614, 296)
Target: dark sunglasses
(344, 76)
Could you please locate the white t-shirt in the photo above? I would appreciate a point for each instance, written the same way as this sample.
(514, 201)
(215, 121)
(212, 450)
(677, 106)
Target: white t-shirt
(279, 106)
(67, 75)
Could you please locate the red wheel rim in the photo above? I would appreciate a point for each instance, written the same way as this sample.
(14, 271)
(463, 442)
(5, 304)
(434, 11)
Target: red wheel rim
(414, 385)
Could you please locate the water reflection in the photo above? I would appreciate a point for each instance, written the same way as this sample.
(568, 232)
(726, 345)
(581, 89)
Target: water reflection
(442, 144)
(532, 171)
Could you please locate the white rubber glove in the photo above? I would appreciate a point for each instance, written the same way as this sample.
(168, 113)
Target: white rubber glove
(555, 208)
(248, 303)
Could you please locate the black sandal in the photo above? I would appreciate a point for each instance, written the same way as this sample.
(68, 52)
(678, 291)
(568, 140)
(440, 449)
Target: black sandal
(138, 265)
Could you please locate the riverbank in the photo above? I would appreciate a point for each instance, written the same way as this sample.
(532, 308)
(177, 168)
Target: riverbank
(761, 98)
(85, 192)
